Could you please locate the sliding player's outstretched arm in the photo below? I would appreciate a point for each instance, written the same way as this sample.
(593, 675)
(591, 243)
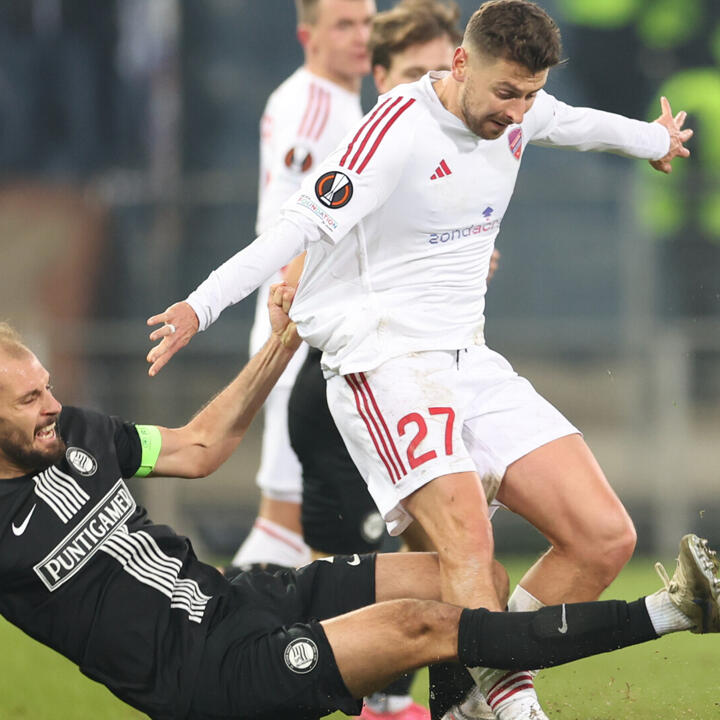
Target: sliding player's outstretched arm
(201, 446)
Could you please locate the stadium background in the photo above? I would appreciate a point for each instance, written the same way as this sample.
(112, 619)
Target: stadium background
(128, 153)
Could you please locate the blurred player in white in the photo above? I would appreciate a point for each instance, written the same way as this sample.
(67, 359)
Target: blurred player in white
(304, 120)
(399, 224)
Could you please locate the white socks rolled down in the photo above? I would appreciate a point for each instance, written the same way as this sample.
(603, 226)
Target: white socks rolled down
(269, 542)
(664, 616)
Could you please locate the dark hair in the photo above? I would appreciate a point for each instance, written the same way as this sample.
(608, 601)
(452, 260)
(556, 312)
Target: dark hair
(515, 30)
(412, 22)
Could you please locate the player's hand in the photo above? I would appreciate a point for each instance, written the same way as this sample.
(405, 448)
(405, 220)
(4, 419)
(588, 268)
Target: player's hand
(180, 323)
(279, 302)
(678, 136)
(494, 264)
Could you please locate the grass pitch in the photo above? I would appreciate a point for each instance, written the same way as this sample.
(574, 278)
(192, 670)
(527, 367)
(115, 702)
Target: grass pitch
(675, 677)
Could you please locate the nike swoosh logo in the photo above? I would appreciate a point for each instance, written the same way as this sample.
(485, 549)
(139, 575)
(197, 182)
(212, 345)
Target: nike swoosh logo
(564, 627)
(20, 529)
(355, 560)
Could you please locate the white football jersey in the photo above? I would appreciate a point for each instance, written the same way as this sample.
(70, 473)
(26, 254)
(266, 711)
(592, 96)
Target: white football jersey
(411, 203)
(304, 120)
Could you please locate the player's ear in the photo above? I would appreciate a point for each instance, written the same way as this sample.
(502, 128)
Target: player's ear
(303, 34)
(459, 65)
(380, 74)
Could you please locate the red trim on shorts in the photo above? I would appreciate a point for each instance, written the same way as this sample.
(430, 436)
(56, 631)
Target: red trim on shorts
(366, 384)
(382, 134)
(362, 127)
(368, 418)
(260, 525)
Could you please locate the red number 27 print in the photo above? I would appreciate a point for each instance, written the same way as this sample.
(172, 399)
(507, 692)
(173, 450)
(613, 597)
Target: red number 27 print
(418, 420)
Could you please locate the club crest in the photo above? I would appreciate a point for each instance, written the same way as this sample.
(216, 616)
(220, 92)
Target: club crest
(515, 142)
(301, 655)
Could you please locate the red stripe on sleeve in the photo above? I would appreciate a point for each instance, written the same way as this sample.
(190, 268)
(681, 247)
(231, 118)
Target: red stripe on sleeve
(308, 108)
(328, 100)
(318, 109)
(362, 127)
(371, 131)
(388, 125)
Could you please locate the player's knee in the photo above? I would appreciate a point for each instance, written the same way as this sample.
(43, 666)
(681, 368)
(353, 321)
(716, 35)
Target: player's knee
(609, 548)
(421, 619)
(455, 521)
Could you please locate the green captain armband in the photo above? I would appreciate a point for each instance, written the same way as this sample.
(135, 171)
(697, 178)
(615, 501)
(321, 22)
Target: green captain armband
(151, 442)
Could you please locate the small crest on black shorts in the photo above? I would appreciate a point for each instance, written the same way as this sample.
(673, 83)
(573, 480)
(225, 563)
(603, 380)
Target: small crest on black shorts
(81, 460)
(301, 655)
(372, 527)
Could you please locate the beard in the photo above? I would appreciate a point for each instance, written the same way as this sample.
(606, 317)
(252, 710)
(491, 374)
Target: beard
(480, 126)
(24, 455)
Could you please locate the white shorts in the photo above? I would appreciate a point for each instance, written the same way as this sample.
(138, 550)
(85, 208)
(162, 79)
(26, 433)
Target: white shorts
(280, 475)
(427, 414)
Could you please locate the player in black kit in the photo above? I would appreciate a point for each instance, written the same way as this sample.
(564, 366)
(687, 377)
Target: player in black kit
(85, 571)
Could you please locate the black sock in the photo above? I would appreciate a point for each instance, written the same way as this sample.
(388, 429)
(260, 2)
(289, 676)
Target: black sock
(449, 684)
(533, 640)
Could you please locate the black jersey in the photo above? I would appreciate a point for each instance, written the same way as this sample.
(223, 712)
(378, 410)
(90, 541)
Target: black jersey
(85, 571)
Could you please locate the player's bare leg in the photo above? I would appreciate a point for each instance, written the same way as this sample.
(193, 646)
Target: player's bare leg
(453, 512)
(415, 539)
(561, 490)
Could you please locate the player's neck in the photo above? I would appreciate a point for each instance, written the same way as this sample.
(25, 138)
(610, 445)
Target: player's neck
(10, 470)
(447, 91)
(350, 83)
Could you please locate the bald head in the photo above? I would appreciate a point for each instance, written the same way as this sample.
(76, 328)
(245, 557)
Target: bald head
(11, 344)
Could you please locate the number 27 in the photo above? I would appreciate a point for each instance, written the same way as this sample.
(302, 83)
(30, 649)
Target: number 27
(417, 419)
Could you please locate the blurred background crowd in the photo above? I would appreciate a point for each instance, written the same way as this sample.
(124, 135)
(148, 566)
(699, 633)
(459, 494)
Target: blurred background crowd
(129, 152)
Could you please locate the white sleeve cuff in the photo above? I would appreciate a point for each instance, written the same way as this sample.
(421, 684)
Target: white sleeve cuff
(245, 271)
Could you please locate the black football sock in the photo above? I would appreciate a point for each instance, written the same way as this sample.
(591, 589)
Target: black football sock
(449, 684)
(551, 636)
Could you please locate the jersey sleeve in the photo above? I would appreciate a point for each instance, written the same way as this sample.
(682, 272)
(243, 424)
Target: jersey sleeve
(555, 123)
(128, 447)
(359, 176)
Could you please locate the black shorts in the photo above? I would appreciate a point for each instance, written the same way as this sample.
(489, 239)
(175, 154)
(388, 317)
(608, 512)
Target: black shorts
(338, 514)
(267, 656)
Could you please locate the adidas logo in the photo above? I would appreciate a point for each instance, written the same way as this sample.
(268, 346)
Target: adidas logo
(441, 171)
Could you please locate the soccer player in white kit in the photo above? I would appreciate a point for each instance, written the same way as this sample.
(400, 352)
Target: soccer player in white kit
(399, 224)
(304, 120)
